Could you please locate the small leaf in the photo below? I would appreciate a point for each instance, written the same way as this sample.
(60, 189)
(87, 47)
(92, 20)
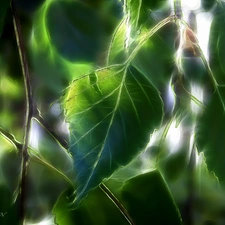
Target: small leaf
(110, 122)
(117, 52)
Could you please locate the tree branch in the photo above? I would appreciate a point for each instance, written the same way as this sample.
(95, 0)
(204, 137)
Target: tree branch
(28, 113)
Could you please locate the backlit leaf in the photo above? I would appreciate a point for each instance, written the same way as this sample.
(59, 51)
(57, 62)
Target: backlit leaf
(111, 114)
(117, 52)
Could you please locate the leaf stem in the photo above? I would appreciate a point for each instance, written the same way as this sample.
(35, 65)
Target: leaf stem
(28, 109)
(116, 202)
(145, 37)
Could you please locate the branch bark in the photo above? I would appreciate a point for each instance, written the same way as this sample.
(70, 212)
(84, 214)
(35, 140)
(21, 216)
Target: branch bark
(28, 109)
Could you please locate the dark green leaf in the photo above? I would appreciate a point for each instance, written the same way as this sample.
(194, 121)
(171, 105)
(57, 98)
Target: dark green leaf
(210, 135)
(28, 6)
(217, 44)
(208, 4)
(96, 209)
(44, 187)
(156, 58)
(111, 115)
(148, 200)
(139, 11)
(75, 30)
(9, 174)
(3, 8)
(8, 209)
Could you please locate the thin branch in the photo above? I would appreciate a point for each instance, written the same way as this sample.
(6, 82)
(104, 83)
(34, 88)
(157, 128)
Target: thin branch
(29, 109)
(177, 9)
(117, 203)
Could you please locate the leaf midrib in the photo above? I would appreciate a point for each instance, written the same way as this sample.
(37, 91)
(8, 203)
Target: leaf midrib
(107, 133)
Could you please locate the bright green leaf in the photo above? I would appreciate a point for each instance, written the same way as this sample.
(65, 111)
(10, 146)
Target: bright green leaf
(111, 114)
(117, 52)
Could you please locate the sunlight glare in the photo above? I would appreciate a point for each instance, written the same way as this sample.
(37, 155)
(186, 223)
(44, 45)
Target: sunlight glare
(191, 4)
(198, 93)
(174, 137)
(46, 221)
(35, 134)
(204, 21)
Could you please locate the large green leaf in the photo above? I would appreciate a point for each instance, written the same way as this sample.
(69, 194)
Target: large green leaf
(210, 136)
(111, 114)
(210, 132)
(148, 200)
(75, 30)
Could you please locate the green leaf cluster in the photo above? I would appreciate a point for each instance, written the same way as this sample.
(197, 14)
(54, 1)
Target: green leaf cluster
(124, 113)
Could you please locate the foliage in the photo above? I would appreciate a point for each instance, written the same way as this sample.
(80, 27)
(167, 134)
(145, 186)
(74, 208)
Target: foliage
(111, 108)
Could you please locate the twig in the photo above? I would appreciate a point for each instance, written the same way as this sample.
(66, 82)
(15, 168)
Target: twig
(116, 202)
(28, 113)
